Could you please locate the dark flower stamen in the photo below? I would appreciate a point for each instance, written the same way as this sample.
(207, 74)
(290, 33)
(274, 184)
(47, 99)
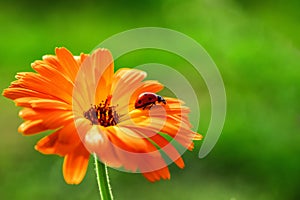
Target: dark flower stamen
(103, 114)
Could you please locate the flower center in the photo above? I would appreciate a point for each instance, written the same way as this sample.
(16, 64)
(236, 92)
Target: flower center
(103, 114)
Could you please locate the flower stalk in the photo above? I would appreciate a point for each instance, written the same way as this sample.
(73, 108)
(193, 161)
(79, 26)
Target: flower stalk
(102, 180)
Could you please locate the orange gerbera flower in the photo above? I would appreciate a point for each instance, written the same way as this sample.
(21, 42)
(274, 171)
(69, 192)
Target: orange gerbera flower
(92, 110)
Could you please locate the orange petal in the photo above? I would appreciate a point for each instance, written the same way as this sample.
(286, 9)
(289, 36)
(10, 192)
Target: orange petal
(50, 104)
(51, 119)
(43, 68)
(68, 64)
(104, 61)
(198, 136)
(40, 103)
(32, 127)
(52, 61)
(80, 59)
(128, 140)
(126, 81)
(160, 141)
(169, 149)
(135, 153)
(25, 101)
(158, 174)
(61, 142)
(14, 93)
(93, 80)
(49, 86)
(47, 145)
(96, 141)
(75, 165)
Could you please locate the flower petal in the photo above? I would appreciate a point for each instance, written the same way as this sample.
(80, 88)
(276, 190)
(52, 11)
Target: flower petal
(43, 86)
(128, 140)
(32, 127)
(105, 63)
(50, 119)
(163, 144)
(133, 151)
(61, 142)
(15, 93)
(96, 141)
(126, 81)
(157, 174)
(93, 80)
(39, 103)
(75, 165)
(47, 145)
(67, 62)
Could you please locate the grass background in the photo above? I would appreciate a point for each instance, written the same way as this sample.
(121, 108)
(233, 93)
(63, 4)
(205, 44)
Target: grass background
(256, 47)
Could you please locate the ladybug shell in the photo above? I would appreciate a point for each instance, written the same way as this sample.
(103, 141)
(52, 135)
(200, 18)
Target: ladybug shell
(145, 99)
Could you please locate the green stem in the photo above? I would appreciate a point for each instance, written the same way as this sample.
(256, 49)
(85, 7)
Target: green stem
(103, 180)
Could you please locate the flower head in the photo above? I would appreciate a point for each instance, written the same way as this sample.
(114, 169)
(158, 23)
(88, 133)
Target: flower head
(92, 110)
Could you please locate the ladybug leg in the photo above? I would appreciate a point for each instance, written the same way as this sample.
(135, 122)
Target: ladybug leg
(149, 105)
(152, 104)
(146, 106)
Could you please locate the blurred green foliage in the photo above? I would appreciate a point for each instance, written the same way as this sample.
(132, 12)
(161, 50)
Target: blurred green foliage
(256, 47)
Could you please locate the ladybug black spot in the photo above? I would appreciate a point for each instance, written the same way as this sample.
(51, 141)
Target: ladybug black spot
(149, 98)
(139, 101)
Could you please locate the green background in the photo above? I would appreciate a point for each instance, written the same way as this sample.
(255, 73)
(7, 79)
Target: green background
(256, 47)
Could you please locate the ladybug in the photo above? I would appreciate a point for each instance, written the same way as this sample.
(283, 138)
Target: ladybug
(148, 99)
